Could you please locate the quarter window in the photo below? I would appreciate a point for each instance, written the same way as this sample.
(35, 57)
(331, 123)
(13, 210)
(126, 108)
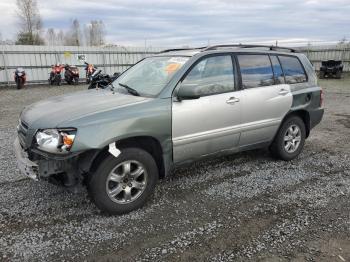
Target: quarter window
(277, 70)
(293, 70)
(213, 75)
(256, 70)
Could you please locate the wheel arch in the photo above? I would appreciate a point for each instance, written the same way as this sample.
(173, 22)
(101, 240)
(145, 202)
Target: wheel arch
(304, 115)
(147, 143)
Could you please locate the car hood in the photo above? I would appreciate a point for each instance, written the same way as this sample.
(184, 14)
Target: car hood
(50, 113)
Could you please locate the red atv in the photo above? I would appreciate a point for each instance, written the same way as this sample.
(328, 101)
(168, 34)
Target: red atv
(90, 70)
(20, 77)
(55, 75)
(71, 74)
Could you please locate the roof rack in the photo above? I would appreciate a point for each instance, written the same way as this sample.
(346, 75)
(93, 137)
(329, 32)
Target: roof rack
(215, 47)
(270, 47)
(181, 49)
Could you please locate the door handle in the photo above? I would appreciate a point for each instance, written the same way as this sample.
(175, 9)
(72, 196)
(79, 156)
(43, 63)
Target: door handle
(283, 92)
(232, 100)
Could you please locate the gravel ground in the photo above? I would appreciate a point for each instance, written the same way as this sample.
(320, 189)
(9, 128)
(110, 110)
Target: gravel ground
(240, 207)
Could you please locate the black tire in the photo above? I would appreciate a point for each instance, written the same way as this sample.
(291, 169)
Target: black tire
(19, 83)
(97, 181)
(58, 80)
(87, 79)
(322, 74)
(338, 75)
(92, 86)
(277, 147)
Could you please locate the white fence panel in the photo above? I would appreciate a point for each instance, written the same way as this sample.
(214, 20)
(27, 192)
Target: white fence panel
(317, 54)
(37, 60)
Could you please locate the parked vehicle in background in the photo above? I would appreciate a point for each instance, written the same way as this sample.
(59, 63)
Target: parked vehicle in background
(169, 109)
(71, 74)
(99, 80)
(20, 77)
(90, 69)
(331, 68)
(55, 74)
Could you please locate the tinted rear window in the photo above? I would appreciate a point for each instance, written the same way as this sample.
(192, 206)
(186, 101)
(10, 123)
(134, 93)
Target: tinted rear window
(256, 70)
(293, 70)
(277, 70)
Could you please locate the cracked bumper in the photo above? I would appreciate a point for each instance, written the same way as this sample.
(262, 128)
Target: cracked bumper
(26, 166)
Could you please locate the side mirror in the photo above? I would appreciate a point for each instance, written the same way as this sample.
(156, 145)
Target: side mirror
(188, 91)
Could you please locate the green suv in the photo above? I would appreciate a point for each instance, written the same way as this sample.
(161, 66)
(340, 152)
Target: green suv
(172, 108)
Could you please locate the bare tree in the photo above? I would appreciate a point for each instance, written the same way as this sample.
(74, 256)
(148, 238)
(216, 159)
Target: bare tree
(60, 38)
(73, 36)
(51, 36)
(95, 33)
(30, 23)
(342, 41)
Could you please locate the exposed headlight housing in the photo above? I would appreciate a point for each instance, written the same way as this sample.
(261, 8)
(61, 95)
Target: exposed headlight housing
(55, 140)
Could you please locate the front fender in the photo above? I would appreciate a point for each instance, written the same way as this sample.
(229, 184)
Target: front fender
(145, 119)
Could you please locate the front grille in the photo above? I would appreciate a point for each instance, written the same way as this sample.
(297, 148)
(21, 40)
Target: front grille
(24, 124)
(22, 132)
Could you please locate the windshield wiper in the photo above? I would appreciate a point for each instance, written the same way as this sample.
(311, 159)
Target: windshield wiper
(130, 89)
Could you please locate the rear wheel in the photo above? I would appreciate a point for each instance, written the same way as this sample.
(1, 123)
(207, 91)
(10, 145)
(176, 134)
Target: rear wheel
(290, 139)
(338, 75)
(123, 184)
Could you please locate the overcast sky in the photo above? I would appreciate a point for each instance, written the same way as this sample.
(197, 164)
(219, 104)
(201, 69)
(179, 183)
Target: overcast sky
(185, 22)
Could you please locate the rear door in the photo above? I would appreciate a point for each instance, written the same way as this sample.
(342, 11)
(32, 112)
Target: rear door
(266, 99)
(211, 123)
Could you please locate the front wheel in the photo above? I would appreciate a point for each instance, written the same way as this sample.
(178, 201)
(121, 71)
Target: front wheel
(92, 85)
(88, 78)
(124, 183)
(290, 139)
(19, 83)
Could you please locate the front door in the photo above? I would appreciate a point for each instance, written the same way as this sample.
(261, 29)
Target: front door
(211, 123)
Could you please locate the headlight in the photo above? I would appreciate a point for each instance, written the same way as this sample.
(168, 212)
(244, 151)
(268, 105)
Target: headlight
(55, 141)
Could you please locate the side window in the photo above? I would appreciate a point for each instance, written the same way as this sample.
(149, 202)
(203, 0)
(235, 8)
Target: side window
(213, 75)
(277, 70)
(256, 70)
(293, 70)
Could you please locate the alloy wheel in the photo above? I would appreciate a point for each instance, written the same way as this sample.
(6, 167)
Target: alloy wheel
(126, 182)
(292, 139)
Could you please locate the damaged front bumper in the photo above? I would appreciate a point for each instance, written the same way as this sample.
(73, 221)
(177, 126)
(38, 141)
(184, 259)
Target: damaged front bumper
(25, 165)
(65, 170)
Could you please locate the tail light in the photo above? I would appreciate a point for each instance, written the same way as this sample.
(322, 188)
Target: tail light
(321, 98)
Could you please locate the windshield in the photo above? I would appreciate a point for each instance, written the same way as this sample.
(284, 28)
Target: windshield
(150, 76)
